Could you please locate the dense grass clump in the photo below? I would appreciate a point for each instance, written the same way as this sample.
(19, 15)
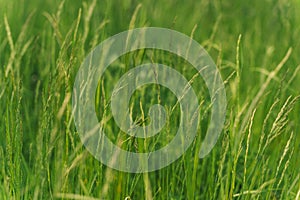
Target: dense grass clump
(256, 47)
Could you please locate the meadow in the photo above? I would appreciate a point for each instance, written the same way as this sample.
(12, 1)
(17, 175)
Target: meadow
(256, 47)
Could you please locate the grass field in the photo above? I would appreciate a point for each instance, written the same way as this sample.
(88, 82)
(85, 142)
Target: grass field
(256, 46)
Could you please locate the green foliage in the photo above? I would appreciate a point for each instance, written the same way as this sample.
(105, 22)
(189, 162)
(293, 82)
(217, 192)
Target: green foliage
(256, 47)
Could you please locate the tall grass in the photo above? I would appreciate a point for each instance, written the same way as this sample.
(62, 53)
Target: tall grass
(256, 47)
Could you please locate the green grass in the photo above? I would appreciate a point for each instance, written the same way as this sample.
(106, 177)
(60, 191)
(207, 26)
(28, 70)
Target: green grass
(256, 47)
